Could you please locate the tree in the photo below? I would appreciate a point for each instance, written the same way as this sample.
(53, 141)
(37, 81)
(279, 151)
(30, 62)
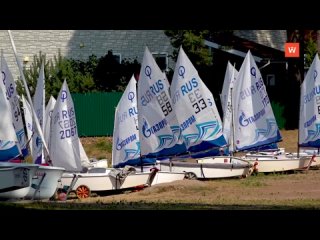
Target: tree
(78, 75)
(192, 42)
(310, 47)
(107, 74)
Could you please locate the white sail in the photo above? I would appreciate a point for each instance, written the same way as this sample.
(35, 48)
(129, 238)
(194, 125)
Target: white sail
(156, 119)
(47, 119)
(39, 107)
(85, 162)
(47, 124)
(64, 140)
(8, 137)
(309, 121)
(126, 144)
(229, 79)
(7, 131)
(28, 120)
(12, 96)
(254, 121)
(195, 108)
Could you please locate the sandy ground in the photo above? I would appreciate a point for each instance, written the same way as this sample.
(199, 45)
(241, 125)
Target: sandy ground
(287, 189)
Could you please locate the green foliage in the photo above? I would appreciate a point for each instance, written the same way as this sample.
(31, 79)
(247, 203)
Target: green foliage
(78, 75)
(310, 49)
(104, 74)
(32, 74)
(278, 111)
(192, 42)
(110, 75)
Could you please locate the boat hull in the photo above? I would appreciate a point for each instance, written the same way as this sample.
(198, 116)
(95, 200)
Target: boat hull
(47, 177)
(103, 181)
(278, 163)
(13, 178)
(21, 192)
(166, 177)
(212, 167)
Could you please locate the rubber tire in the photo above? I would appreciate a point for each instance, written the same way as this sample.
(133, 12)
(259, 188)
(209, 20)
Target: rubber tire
(83, 191)
(190, 176)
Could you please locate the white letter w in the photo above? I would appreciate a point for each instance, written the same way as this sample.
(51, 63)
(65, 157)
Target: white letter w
(292, 49)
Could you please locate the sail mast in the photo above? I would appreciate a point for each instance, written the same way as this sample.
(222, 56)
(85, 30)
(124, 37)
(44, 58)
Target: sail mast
(34, 115)
(232, 114)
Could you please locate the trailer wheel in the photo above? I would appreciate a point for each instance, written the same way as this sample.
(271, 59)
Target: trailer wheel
(190, 176)
(83, 192)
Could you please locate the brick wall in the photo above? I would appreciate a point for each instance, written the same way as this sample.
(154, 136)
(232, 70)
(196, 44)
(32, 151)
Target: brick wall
(80, 44)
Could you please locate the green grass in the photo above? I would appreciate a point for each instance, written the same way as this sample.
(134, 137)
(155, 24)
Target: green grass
(103, 145)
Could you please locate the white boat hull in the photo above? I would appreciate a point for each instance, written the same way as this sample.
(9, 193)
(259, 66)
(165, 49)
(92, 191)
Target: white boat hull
(161, 176)
(21, 192)
(166, 177)
(279, 163)
(13, 178)
(212, 167)
(103, 181)
(47, 177)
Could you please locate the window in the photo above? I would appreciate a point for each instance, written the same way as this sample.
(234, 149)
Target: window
(271, 80)
(161, 59)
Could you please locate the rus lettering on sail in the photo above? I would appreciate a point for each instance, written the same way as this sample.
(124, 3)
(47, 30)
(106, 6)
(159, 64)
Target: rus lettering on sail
(309, 96)
(9, 91)
(248, 92)
(132, 111)
(175, 97)
(189, 86)
(153, 90)
(66, 120)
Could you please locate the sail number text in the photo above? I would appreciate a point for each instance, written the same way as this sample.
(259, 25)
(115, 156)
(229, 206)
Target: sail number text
(164, 103)
(197, 101)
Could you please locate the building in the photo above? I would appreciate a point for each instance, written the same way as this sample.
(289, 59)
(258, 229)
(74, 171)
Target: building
(80, 44)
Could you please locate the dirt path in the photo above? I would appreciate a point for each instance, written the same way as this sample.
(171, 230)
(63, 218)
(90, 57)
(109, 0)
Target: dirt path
(295, 190)
(298, 189)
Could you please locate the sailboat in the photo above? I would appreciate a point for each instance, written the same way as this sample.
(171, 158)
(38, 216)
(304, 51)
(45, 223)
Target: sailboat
(126, 143)
(12, 96)
(225, 97)
(309, 118)
(255, 124)
(11, 185)
(201, 126)
(65, 152)
(45, 179)
(85, 163)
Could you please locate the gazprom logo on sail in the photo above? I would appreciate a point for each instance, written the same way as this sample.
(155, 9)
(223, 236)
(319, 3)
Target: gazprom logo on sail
(147, 132)
(122, 143)
(244, 121)
(310, 121)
